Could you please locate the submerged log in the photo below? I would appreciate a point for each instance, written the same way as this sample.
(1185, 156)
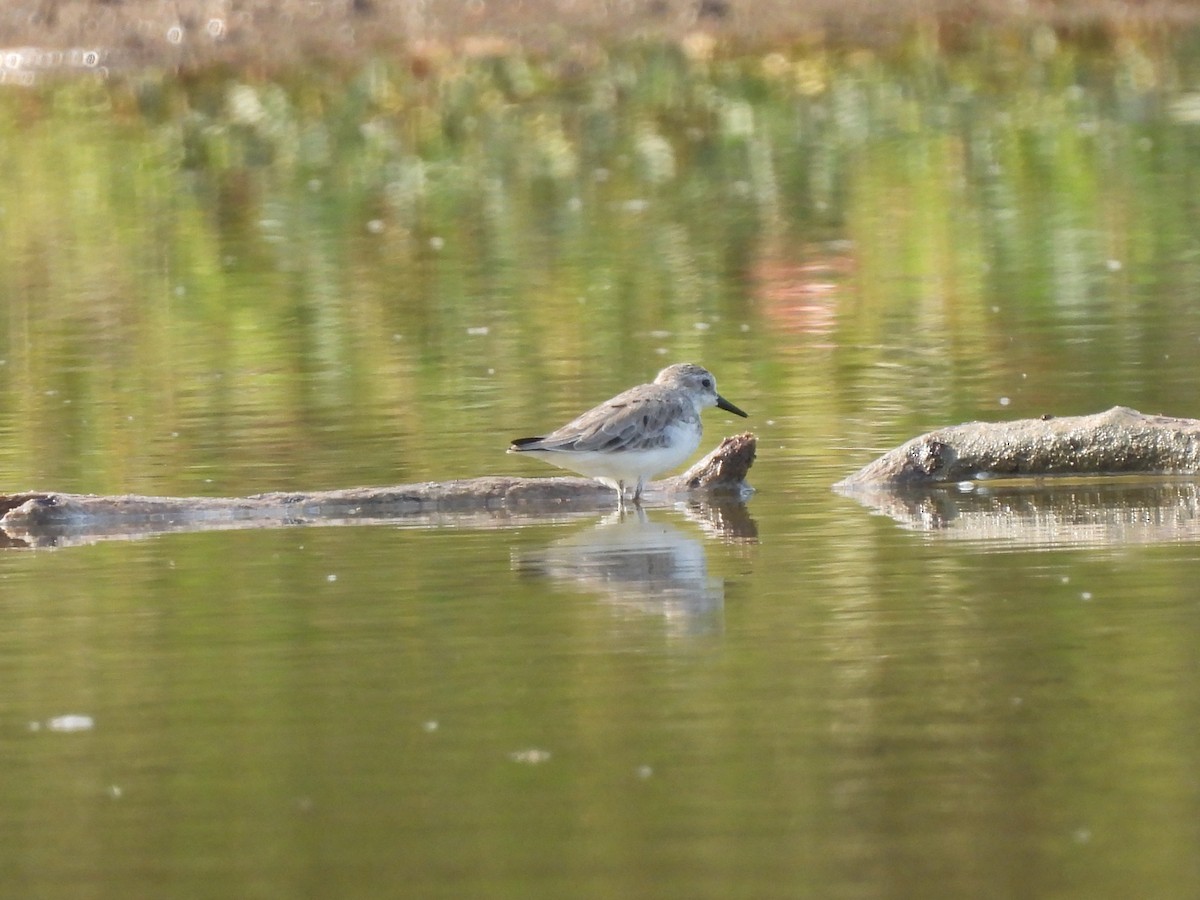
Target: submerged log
(27, 517)
(1120, 441)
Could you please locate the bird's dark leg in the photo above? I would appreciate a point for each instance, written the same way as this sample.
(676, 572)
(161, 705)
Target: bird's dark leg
(637, 494)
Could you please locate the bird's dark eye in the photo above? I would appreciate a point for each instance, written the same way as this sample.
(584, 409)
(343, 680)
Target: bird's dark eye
(707, 382)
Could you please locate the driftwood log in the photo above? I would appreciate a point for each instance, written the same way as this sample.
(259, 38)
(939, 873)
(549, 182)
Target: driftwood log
(42, 518)
(1043, 482)
(1120, 441)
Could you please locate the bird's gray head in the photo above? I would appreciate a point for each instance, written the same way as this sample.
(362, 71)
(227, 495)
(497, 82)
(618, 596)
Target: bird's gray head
(699, 383)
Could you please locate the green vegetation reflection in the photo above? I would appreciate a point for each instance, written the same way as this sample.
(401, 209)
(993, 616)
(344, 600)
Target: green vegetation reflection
(218, 283)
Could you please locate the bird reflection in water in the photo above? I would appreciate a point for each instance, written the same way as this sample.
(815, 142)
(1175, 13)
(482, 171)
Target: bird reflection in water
(650, 567)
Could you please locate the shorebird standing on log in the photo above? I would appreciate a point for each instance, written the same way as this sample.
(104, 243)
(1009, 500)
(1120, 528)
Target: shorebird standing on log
(637, 434)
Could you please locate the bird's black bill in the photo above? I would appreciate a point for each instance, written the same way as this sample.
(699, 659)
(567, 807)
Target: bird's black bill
(724, 404)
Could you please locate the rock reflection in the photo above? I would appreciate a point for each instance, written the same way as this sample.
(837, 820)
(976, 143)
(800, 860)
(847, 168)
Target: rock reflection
(646, 566)
(1046, 513)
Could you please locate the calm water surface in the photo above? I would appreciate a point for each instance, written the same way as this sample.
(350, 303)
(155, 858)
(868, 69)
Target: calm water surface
(835, 708)
(986, 694)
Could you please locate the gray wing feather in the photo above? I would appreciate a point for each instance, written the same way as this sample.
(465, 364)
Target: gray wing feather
(634, 420)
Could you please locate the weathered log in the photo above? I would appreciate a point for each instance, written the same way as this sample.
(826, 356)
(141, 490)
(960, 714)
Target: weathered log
(30, 517)
(1120, 441)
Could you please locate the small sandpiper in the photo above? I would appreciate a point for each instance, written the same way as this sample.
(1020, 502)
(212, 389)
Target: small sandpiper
(635, 435)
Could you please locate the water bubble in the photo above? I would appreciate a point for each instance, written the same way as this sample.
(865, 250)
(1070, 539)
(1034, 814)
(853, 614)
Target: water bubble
(437, 243)
(375, 226)
(215, 28)
(175, 34)
(531, 757)
(1004, 401)
(90, 58)
(71, 722)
